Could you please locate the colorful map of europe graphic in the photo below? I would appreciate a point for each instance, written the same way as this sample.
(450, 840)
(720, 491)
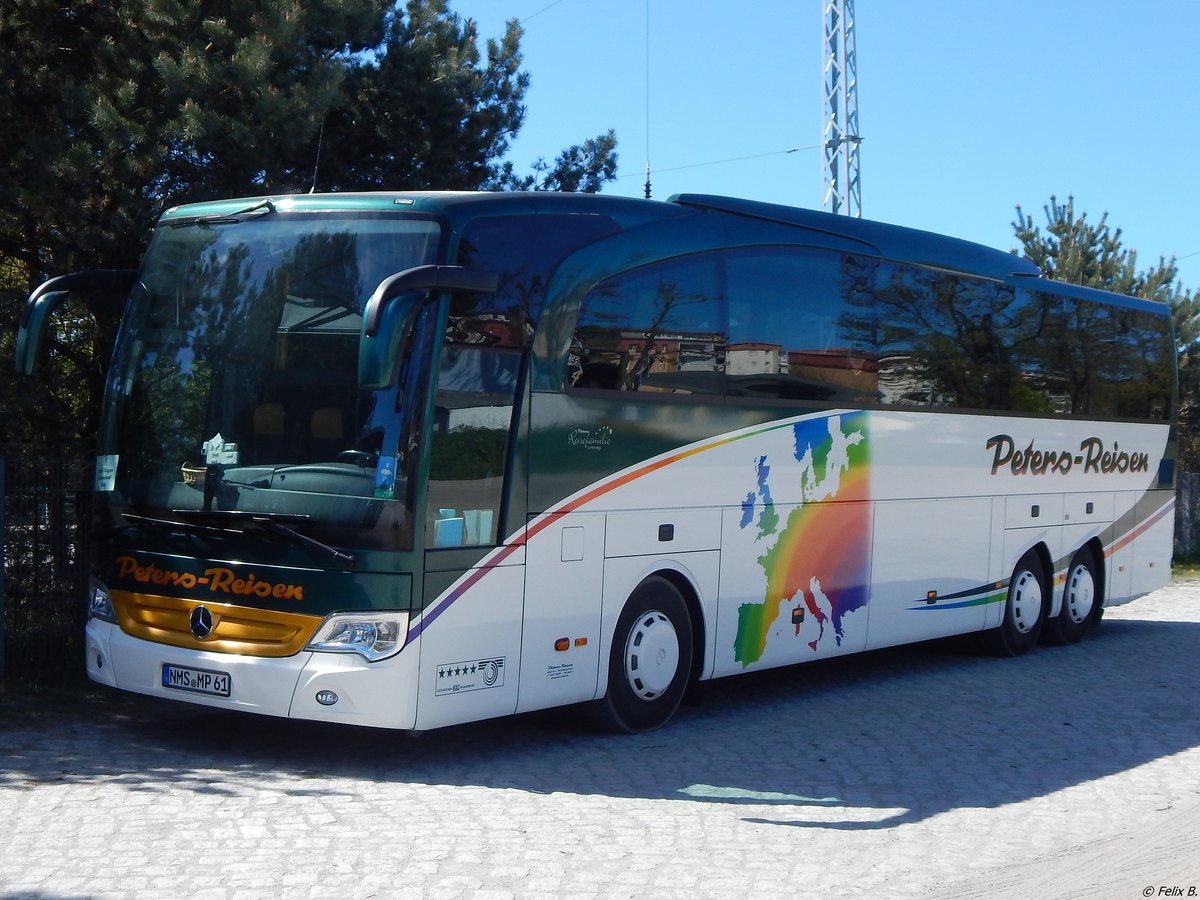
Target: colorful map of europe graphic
(816, 561)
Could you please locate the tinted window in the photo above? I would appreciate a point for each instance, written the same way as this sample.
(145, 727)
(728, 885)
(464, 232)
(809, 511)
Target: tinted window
(523, 250)
(1101, 360)
(795, 324)
(938, 341)
(801, 327)
(475, 397)
(658, 329)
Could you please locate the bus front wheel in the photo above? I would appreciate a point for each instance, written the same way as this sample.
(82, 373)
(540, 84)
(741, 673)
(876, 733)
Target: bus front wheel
(1024, 610)
(650, 659)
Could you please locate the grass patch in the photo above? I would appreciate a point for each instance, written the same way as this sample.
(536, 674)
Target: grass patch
(1186, 566)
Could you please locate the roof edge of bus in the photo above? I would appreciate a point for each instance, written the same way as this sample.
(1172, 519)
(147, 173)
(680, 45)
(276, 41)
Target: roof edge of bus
(896, 242)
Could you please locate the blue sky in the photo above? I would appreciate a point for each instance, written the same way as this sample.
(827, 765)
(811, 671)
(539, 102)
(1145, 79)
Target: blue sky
(966, 108)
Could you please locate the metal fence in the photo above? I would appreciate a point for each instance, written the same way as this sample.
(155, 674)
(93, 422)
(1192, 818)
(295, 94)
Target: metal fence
(44, 522)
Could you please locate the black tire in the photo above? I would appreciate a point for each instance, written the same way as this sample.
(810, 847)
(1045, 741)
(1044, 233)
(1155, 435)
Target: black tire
(1081, 600)
(1024, 610)
(650, 661)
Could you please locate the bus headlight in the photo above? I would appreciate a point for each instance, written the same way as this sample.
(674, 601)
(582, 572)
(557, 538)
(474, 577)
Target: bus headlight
(99, 603)
(374, 636)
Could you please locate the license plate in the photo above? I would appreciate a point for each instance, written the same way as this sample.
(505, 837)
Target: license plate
(198, 681)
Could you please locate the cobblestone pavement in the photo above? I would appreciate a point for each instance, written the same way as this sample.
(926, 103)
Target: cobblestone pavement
(917, 772)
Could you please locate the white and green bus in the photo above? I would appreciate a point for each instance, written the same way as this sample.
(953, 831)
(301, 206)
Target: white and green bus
(409, 460)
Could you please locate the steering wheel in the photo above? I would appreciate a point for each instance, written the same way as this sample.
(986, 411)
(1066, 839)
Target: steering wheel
(361, 458)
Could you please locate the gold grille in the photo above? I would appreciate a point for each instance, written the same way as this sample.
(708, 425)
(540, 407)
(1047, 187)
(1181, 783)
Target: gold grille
(236, 629)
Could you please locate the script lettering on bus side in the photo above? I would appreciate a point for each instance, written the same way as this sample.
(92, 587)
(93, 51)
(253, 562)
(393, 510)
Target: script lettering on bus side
(590, 439)
(1092, 456)
(217, 580)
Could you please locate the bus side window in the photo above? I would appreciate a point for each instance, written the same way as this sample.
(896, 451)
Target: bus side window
(795, 331)
(941, 342)
(523, 250)
(475, 397)
(659, 329)
(1109, 361)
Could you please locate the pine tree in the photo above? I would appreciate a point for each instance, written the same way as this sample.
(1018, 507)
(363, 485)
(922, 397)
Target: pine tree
(113, 111)
(117, 110)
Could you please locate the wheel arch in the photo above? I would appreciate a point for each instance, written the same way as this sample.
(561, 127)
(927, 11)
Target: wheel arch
(1052, 585)
(691, 597)
(696, 576)
(1043, 554)
(1017, 633)
(1101, 572)
(1097, 550)
(618, 705)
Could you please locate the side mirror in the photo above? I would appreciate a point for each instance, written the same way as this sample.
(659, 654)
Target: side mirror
(47, 297)
(424, 278)
(387, 317)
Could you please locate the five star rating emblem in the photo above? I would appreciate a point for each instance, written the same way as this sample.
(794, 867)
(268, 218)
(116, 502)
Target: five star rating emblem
(472, 675)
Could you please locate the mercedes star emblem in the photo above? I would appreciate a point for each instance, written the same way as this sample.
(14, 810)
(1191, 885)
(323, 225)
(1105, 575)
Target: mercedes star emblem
(202, 622)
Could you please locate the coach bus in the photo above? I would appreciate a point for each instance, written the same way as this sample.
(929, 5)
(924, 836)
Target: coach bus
(415, 459)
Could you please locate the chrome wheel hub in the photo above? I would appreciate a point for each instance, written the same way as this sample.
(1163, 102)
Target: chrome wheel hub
(651, 655)
(1026, 601)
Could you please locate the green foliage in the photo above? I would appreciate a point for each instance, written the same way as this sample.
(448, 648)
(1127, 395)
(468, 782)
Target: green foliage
(117, 111)
(114, 112)
(583, 167)
(425, 110)
(1077, 251)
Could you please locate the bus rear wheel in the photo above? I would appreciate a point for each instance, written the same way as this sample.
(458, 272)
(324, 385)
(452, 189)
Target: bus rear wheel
(650, 660)
(1024, 610)
(1081, 595)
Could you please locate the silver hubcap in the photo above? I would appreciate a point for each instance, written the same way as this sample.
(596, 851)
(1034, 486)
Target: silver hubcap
(1081, 593)
(651, 655)
(1026, 601)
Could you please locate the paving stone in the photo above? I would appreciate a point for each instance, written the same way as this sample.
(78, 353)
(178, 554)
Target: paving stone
(914, 772)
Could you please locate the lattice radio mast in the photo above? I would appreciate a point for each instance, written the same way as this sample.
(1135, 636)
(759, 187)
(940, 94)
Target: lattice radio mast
(843, 190)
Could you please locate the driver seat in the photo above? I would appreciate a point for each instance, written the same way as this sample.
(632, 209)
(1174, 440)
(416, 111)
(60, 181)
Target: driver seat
(327, 431)
(270, 433)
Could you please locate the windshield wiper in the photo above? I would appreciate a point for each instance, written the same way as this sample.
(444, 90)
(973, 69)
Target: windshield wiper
(274, 526)
(207, 523)
(233, 218)
(188, 527)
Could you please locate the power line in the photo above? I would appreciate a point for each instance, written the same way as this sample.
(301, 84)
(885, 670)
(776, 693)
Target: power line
(534, 15)
(717, 162)
(1172, 260)
(521, 22)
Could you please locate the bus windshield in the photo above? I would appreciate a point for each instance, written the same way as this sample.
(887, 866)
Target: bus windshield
(234, 382)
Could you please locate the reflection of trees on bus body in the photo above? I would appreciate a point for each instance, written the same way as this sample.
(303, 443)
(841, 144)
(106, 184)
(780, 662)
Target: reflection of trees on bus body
(977, 344)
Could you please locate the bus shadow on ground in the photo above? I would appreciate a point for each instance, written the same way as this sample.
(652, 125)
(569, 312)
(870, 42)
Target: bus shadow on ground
(869, 741)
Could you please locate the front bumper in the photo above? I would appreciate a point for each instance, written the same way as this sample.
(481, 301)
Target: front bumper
(381, 694)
